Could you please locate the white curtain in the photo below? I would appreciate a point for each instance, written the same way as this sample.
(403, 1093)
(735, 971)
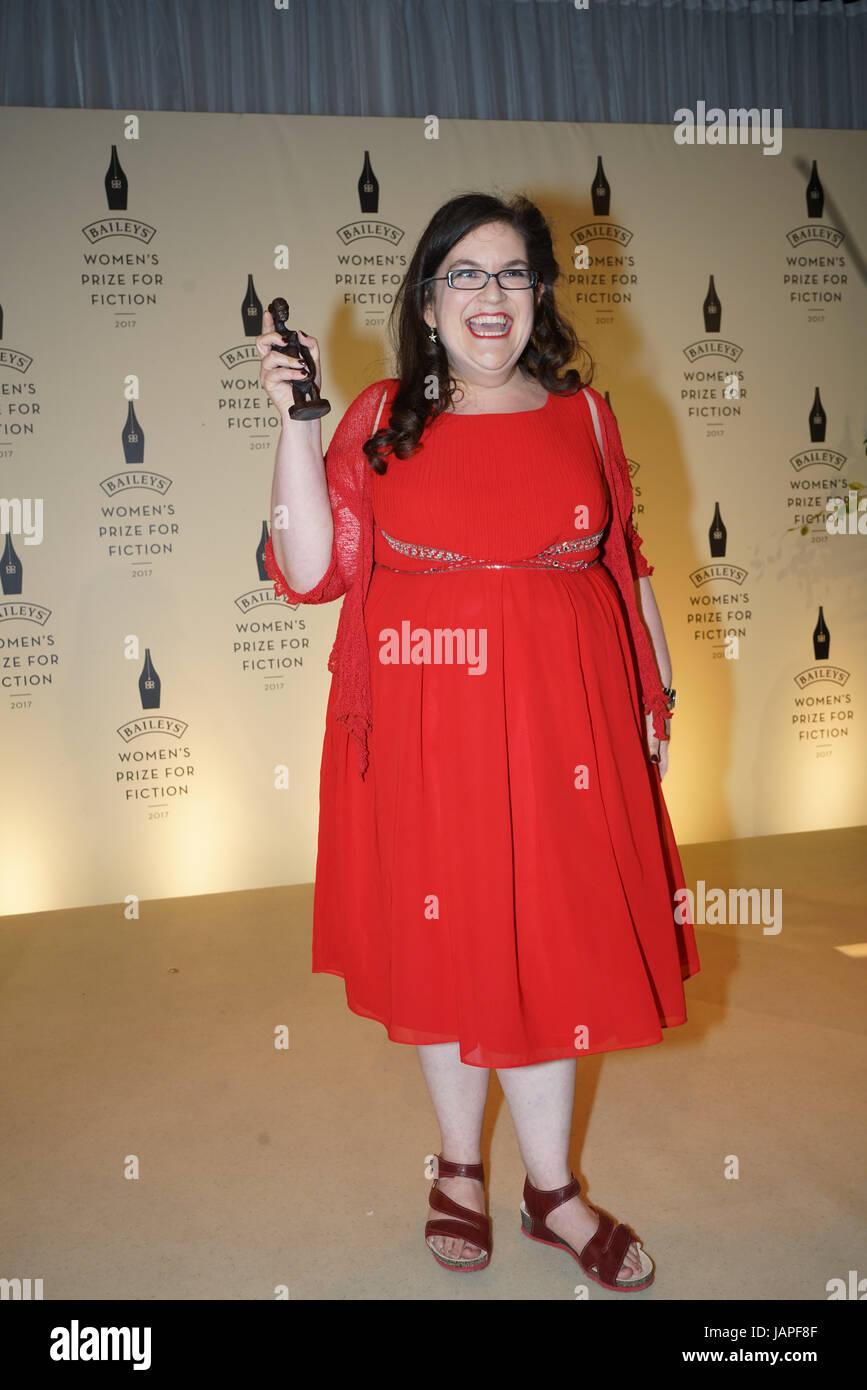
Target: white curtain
(524, 60)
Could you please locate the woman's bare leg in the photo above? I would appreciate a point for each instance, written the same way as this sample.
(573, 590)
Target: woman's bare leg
(458, 1093)
(541, 1099)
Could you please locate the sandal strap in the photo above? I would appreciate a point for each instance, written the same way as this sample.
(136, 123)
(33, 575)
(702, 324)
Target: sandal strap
(459, 1231)
(460, 1222)
(607, 1247)
(446, 1169)
(540, 1203)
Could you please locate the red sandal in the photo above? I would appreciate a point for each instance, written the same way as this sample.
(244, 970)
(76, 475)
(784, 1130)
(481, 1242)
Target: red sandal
(604, 1252)
(459, 1222)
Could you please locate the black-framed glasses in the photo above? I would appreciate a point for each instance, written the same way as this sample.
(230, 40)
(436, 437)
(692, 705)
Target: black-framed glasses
(468, 278)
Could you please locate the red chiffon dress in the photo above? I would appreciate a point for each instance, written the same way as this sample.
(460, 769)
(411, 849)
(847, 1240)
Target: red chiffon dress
(503, 876)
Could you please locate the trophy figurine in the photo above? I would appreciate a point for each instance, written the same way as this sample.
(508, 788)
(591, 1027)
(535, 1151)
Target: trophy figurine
(309, 405)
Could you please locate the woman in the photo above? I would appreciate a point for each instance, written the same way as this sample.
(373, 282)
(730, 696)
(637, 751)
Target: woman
(496, 864)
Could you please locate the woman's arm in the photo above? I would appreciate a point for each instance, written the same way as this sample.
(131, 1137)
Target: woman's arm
(302, 526)
(340, 485)
(641, 571)
(653, 622)
(314, 520)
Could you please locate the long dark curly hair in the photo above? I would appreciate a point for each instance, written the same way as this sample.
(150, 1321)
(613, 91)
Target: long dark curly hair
(551, 345)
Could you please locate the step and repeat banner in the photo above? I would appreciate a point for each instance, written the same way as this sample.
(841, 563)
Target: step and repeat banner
(162, 711)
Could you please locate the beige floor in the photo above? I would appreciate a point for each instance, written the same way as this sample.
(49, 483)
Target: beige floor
(303, 1168)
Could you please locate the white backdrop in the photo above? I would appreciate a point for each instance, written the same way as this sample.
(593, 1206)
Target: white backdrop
(113, 553)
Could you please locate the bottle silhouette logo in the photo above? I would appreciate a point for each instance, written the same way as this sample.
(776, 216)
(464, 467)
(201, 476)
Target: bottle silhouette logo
(818, 420)
(116, 184)
(712, 309)
(133, 438)
(717, 535)
(368, 186)
(1, 322)
(821, 639)
(10, 568)
(251, 311)
(149, 684)
(260, 552)
(815, 194)
(600, 191)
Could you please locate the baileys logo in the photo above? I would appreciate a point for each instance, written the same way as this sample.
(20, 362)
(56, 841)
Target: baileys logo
(817, 458)
(609, 279)
(12, 577)
(117, 192)
(150, 692)
(816, 229)
(597, 229)
(368, 200)
(717, 542)
(709, 346)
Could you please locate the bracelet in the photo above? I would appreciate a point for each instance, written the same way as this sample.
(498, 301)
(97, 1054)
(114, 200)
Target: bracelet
(670, 695)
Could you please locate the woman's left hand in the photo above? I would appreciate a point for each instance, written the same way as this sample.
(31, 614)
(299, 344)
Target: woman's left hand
(658, 746)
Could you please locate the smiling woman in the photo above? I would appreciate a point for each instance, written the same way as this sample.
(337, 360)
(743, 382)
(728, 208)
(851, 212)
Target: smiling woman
(491, 318)
(495, 887)
(477, 312)
(486, 295)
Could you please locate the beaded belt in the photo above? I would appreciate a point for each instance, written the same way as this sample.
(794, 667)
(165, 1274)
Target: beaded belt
(455, 561)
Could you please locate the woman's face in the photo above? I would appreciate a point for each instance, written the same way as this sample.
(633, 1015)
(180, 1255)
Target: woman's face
(484, 353)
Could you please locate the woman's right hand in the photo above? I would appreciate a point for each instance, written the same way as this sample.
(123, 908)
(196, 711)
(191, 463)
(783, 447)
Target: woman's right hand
(277, 371)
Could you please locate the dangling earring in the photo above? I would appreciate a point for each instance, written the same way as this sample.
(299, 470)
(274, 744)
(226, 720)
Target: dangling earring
(433, 335)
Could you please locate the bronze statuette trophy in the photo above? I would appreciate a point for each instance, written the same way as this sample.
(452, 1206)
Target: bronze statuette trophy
(309, 405)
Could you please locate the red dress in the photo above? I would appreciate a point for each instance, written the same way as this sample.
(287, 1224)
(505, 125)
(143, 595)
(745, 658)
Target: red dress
(503, 876)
